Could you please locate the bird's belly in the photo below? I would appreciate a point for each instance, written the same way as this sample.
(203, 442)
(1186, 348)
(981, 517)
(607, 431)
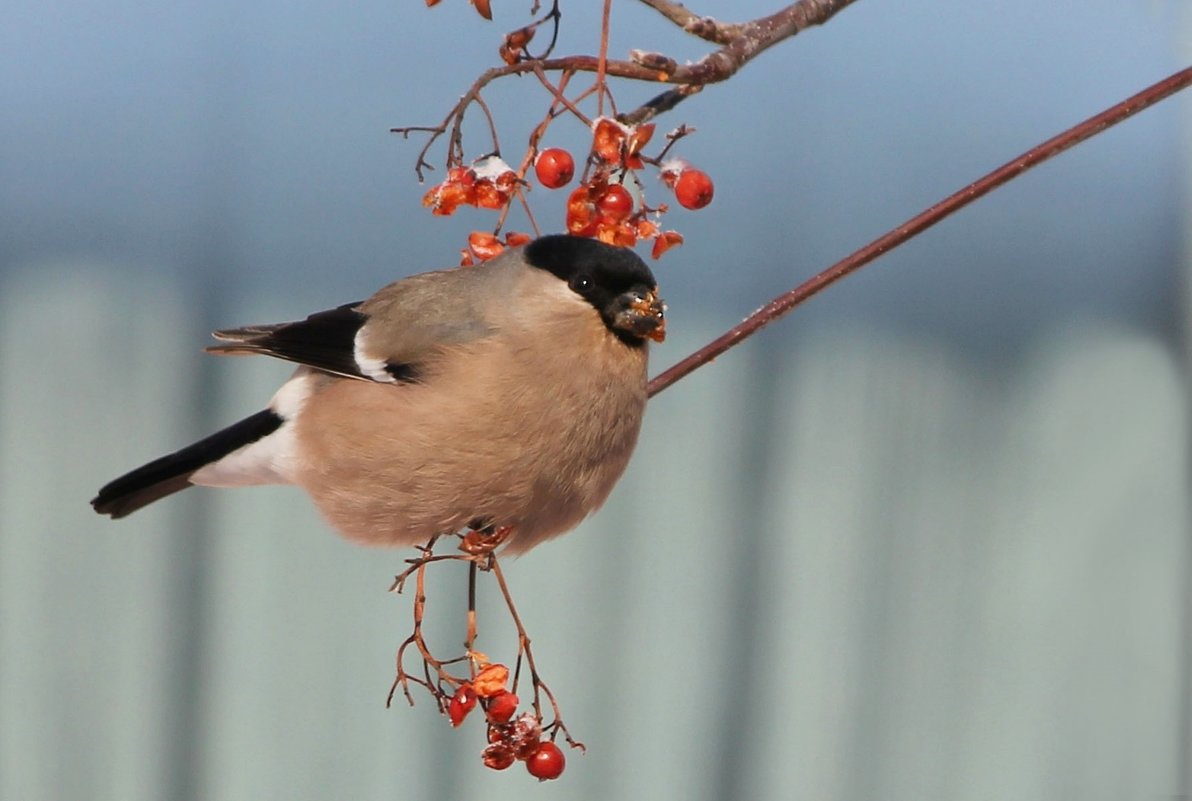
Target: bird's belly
(404, 466)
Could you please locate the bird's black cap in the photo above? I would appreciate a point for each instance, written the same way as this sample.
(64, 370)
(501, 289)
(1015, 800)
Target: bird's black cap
(615, 268)
(601, 274)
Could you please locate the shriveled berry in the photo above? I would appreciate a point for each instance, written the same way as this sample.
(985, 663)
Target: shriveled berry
(608, 137)
(501, 707)
(491, 680)
(547, 761)
(484, 245)
(665, 241)
(498, 756)
(461, 704)
(581, 219)
(694, 189)
(554, 167)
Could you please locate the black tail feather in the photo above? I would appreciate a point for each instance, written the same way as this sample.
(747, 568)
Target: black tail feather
(172, 473)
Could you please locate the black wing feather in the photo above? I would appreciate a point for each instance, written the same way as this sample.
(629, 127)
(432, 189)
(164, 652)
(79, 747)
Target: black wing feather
(326, 340)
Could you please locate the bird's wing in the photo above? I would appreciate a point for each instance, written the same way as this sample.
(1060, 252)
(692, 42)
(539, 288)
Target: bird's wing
(387, 338)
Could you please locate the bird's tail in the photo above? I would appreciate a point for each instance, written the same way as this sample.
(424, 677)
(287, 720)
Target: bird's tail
(172, 473)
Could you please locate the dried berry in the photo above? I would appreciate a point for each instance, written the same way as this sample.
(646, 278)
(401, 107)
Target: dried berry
(461, 704)
(498, 756)
(484, 245)
(491, 680)
(664, 242)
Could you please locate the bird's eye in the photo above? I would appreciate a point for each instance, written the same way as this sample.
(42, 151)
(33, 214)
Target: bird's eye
(581, 283)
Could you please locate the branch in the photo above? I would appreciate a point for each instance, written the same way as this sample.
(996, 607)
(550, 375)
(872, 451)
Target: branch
(703, 27)
(748, 41)
(756, 37)
(782, 304)
(752, 39)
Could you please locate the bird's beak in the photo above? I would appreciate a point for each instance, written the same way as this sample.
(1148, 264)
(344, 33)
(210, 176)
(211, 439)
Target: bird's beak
(643, 315)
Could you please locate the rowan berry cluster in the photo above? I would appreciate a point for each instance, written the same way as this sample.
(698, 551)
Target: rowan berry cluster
(510, 739)
(609, 204)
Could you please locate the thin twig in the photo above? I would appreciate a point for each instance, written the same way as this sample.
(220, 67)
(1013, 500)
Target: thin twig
(603, 58)
(782, 304)
(560, 99)
(539, 686)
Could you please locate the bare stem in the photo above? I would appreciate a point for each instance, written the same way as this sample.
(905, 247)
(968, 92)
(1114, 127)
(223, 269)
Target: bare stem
(603, 58)
(782, 304)
(539, 686)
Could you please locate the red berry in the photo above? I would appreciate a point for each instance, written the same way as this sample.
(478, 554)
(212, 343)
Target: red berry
(615, 203)
(554, 167)
(547, 762)
(694, 189)
(461, 704)
(501, 707)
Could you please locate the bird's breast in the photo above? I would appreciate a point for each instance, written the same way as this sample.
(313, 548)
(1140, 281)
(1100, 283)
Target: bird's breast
(516, 431)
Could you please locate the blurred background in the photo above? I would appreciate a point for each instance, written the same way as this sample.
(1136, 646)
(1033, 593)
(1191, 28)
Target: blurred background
(925, 539)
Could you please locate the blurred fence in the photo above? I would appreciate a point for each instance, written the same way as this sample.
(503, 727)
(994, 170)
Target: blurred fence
(846, 567)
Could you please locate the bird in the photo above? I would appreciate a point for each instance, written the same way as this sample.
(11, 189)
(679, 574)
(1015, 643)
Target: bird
(506, 394)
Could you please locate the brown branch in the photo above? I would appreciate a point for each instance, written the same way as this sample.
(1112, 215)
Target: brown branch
(703, 27)
(922, 221)
(755, 37)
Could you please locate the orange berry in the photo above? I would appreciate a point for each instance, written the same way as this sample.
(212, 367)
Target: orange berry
(484, 245)
(581, 217)
(607, 138)
(488, 195)
(554, 167)
(665, 241)
(694, 189)
(491, 681)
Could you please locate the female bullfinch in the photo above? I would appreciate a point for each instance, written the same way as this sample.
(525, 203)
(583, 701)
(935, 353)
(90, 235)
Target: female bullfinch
(506, 394)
